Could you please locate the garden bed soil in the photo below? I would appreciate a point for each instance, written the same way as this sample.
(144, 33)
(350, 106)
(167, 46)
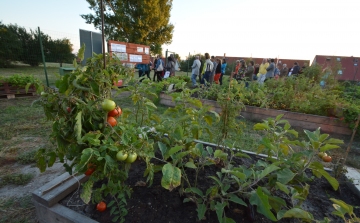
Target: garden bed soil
(156, 204)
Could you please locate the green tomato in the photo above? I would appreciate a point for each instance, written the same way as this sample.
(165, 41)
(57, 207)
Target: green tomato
(108, 105)
(322, 154)
(131, 157)
(121, 156)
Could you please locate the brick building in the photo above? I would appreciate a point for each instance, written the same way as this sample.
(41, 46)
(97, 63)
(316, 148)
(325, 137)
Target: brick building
(347, 66)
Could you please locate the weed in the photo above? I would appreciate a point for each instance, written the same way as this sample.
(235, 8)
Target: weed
(27, 157)
(17, 179)
(17, 210)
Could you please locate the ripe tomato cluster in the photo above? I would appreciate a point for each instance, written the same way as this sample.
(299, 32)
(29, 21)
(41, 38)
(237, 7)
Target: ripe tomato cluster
(113, 111)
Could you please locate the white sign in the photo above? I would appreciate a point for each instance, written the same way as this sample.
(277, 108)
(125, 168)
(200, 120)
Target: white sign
(146, 50)
(121, 56)
(135, 58)
(118, 48)
(140, 49)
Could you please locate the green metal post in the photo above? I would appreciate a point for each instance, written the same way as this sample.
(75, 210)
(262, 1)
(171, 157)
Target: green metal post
(43, 58)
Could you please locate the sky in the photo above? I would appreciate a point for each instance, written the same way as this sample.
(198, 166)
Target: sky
(288, 29)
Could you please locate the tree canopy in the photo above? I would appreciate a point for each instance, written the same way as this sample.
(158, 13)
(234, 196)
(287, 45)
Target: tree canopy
(135, 21)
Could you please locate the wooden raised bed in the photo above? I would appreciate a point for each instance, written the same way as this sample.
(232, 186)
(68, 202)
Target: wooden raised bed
(9, 91)
(306, 121)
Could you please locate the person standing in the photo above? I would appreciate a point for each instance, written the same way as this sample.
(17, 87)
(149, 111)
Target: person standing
(237, 67)
(211, 79)
(170, 66)
(195, 70)
(223, 70)
(154, 68)
(284, 71)
(277, 71)
(270, 70)
(159, 68)
(295, 70)
(256, 71)
(201, 69)
(173, 65)
(262, 71)
(207, 69)
(249, 73)
(217, 71)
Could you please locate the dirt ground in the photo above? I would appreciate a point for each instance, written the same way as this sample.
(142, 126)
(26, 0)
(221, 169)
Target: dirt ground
(37, 181)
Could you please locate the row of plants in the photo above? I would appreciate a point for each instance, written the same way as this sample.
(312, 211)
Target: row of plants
(94, 136)
(19, 80)
(298, 94)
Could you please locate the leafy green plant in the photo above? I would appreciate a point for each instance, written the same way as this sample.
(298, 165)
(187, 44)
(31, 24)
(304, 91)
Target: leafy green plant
(342, 209)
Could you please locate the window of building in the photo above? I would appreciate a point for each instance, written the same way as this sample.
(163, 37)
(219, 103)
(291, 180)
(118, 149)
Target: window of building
(340, 72)
(338, 59)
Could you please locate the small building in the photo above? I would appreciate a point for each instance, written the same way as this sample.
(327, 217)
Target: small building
(347, 67)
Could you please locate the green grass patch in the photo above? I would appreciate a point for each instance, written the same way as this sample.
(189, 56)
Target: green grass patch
(17, 210)
(16, 179)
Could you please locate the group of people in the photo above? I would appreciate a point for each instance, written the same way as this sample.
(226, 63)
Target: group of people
(265, 71)
(211, 71)
(160, 70)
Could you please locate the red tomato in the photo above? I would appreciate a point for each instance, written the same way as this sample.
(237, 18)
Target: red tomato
(68, 109)
(326, 159)
(112, 121)
(89, 171)
(115, 113)
(101, 206)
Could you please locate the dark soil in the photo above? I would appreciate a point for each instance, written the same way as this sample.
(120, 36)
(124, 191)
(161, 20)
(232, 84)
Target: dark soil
(156, 204)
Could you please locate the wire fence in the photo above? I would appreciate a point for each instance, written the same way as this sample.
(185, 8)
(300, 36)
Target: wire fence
(22, 53)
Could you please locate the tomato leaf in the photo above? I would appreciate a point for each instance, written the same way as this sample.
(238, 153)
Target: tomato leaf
(52, 159)
(171, 177)
(201, 209)
(298, 213)
(261, 201)
(236, 199)
(78, 127)
(190, 165)
(261, 126)
(282, 187)
(328, 147)
(284, 176)
(219, 208)
(87, 191)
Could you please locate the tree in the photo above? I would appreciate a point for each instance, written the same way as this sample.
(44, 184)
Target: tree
(60, 50)
(142, 21)
(10, 46)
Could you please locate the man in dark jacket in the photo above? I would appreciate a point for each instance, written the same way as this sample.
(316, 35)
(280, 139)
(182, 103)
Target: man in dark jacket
(295, 69)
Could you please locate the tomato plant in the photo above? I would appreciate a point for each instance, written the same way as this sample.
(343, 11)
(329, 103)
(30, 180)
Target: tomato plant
(101, 206)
